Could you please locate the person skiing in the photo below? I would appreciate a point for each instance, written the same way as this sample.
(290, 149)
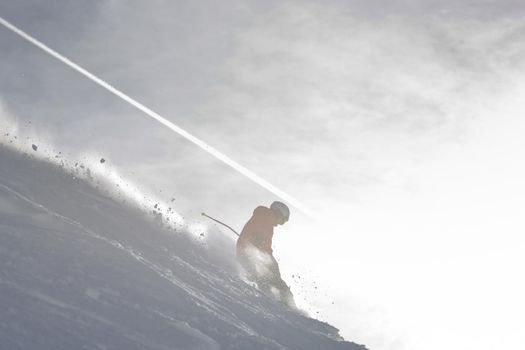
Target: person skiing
(255, 253)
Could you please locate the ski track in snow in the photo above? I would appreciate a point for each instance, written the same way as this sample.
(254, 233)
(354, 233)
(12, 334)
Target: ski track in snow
(61, 305)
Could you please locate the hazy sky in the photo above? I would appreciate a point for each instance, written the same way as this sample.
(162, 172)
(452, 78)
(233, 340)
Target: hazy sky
(401, 123)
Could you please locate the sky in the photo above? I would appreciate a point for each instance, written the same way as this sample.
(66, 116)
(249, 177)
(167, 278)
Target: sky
(400, 123)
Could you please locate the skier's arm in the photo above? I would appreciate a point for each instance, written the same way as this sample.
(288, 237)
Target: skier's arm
(261, 241)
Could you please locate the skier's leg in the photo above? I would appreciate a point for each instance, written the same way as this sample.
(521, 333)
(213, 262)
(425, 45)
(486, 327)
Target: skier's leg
(276, 281)
(248, 265)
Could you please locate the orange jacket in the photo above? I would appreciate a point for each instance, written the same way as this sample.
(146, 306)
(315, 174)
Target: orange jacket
(258, 231)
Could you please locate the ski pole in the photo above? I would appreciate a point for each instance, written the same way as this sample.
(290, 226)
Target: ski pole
(222, 223)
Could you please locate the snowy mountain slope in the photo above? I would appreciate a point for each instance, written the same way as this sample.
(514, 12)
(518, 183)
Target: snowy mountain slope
(79, 269)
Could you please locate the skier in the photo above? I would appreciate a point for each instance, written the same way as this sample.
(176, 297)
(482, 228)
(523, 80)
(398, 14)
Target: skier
(255, 253)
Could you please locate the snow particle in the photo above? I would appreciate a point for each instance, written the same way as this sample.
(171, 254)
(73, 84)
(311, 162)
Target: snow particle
(102, 160)
(35, 147)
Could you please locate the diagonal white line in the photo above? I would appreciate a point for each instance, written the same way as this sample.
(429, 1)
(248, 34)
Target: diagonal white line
(217, 154)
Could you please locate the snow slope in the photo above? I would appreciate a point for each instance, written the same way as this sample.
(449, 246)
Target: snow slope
(81, 269)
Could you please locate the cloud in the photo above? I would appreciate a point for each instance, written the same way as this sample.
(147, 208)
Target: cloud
(279, 87)
(325, 94)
